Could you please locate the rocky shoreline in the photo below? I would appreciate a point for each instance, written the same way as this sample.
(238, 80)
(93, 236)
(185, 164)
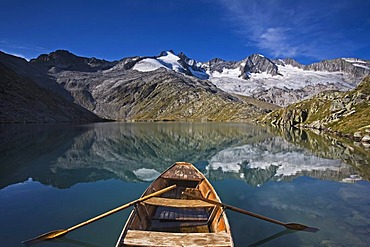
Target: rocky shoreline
(342, 114)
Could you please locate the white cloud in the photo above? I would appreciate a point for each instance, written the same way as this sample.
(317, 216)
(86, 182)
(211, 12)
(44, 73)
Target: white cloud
(277, 40)
(290, 28)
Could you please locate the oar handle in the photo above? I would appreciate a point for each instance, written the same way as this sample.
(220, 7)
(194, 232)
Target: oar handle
(157, 193)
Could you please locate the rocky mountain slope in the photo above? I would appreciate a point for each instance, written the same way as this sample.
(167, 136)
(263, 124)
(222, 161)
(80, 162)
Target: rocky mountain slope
(281, 82)
(157, 95)
(146, 88)
(22, 100)
(116, 91)
(343, 113)
(176, 87)
(27, 70)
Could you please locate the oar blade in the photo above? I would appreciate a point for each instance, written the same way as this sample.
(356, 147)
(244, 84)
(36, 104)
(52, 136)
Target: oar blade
(300, 227)
(46, 236)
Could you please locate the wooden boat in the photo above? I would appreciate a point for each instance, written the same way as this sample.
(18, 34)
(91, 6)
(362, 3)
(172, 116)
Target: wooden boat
(174, 219)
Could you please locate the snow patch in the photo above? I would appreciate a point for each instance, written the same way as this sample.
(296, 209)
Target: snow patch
(361, 66)
(233, 73)
(354, 60)
(168, 61)
(171, 61)
(148, 64)
(291, 77)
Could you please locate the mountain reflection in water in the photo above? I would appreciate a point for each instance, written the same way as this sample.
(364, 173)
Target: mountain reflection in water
(63, 155)
(94, 168)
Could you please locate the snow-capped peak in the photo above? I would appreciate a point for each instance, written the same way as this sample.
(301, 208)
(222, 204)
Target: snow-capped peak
(280, 81)
(170, 61)
(166, 60)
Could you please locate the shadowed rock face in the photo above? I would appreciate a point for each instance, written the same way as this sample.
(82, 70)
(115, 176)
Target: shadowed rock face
(255, 63)
(24, 101)
(64, 60)
(258, 64)
(355, 67)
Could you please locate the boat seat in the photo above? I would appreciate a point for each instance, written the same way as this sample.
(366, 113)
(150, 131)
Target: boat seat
(177, 203)
(181, 214)
(152, 238)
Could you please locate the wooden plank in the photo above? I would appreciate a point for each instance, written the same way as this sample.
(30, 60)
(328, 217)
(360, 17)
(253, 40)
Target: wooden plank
(151, 238)
(178, 226)
(177, 203)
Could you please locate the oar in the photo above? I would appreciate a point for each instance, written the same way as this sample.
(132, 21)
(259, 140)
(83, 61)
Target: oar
(61, 232)
(293, 226)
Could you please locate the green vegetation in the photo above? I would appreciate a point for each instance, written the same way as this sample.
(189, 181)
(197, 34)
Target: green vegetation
(346, 114)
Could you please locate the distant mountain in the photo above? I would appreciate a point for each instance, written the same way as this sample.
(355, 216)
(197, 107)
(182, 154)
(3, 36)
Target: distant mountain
(281, 82)
(61, 60)
(22, 100)
(156, 95)
(170, 61)
(164, 87)
(28, 70)
(176, 87)
(344, 113)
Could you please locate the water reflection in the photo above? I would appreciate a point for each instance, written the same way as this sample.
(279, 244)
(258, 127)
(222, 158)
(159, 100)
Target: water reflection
(271, 238)
(330, 147)
(63, 155)
(245, 163)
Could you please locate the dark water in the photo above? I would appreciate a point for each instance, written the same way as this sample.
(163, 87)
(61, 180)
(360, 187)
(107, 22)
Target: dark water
(54, 177)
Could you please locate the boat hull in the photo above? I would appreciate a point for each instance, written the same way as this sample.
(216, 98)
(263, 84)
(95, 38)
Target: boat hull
(174, 219)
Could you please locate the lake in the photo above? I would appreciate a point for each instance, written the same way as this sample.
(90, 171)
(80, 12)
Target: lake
(55, 176)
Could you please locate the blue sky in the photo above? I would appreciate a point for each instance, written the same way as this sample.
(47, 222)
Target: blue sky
(308, 31)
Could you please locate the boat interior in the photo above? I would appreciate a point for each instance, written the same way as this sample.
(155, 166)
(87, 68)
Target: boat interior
(175, 212)
(176, 217)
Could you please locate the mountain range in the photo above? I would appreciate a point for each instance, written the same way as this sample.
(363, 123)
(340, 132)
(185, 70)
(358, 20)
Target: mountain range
(167, 86)
(281, 81)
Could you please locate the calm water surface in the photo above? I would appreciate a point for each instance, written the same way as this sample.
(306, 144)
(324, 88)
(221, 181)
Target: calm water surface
(56, 176)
